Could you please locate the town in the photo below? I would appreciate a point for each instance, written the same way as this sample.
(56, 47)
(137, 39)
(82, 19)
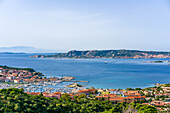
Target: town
(33, 82)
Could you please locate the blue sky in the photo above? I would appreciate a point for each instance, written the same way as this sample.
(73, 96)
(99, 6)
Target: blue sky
(86, 24)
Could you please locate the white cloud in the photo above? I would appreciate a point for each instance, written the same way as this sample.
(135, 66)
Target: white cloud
(65, 14)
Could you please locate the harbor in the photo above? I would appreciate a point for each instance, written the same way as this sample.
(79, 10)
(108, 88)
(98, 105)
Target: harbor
(49, 87)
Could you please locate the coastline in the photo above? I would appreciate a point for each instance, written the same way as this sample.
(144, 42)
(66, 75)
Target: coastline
(92, 58)
(122, 53)
(96, 71)
(46, 87)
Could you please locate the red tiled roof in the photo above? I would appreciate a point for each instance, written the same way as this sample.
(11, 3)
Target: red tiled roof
(145, 103)
(45, 93)
(86, 90)
(115, 99)
(57, 92)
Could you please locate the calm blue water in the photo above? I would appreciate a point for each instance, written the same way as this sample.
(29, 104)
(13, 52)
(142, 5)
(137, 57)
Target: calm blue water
(118, 73)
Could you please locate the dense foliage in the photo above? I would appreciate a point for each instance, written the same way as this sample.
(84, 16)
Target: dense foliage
(15, 100)
(166, 85)
(26, 69)
(146, 109)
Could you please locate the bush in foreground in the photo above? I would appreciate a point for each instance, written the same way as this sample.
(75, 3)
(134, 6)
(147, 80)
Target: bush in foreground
(15, 100)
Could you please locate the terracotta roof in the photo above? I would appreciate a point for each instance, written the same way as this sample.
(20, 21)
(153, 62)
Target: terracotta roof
(167, 103)
(111, 95)
(145, 103)
(57, 92)
(115, 99)
(99, 96)
(71, 95)
(135, 97)
(113, 90)
(45, 93)
(130, 93)
(86, 90)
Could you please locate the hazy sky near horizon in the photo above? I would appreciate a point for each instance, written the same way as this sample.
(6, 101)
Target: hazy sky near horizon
(86, 24)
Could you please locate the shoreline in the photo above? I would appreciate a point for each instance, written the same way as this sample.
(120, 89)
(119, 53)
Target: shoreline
(92, 58)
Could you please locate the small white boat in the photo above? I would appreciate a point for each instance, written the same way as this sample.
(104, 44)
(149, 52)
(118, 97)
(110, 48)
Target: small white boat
(59, 81)
(105, 62)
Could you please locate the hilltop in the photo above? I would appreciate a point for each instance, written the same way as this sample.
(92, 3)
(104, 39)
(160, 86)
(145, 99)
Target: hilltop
(108, 54)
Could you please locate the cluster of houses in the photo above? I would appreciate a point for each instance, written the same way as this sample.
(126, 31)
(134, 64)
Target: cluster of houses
(160, 105)
(59, 94)
(13, 75)
(117, 96)
(45, 94)
(159, 96)
(21, 76)
(165, 91)
(145, 55)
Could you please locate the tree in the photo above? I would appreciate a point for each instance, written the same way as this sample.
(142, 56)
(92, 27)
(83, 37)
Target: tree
(150, 100)
(65, 97)
(138, 89)
(18, 101)
(129, 89)
(147, 109)
(96, 91)
(17, 107)
(163, 98)
(157, 98)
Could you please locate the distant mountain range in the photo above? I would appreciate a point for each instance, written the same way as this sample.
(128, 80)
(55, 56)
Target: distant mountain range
(24, 49)
(108, 54)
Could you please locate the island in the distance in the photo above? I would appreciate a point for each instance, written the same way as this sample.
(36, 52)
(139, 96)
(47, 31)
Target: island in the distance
(108, 54)
(157, 61)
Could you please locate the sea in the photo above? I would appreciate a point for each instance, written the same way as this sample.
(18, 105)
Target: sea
(115, 74)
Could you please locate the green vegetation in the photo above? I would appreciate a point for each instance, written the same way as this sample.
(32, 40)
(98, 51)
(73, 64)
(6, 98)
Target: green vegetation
(146, 109)
(26, 69)
(166, 85)
(129, 89)
(159, 61)
(104, 54)
(138, 89)
(16, 101)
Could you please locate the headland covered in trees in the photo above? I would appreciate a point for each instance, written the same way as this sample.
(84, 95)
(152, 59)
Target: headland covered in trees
(108, 54)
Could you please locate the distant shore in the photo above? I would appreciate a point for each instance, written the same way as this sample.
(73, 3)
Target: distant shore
(123, 54)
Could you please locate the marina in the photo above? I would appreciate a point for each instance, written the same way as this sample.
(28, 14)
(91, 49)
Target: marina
(48, 87)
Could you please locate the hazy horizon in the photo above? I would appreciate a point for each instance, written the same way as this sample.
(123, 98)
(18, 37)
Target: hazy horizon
(86, 25)
(29, 49)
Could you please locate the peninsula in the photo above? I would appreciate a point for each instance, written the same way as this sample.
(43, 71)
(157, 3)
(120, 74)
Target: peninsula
(108, 54)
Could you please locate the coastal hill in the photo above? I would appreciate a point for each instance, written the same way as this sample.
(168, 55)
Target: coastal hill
(24, 49)
(108, 54)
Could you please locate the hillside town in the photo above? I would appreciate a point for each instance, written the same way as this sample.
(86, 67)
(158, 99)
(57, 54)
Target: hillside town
(16, 75)
(158, 96)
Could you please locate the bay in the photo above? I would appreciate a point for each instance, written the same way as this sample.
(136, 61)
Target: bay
(117, 73)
